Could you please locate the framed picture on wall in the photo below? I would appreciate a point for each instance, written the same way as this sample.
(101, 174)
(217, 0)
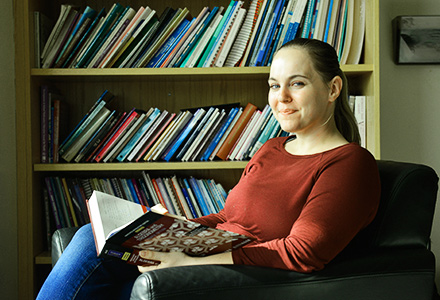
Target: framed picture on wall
(416, 39)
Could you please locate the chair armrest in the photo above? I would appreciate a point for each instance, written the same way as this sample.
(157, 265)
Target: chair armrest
(390, 274)
(60, 239)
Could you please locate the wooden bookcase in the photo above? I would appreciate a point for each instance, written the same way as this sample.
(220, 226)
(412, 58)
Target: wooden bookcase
(171, 89)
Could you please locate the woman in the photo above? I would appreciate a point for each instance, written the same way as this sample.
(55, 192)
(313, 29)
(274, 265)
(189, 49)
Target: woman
(302, 197)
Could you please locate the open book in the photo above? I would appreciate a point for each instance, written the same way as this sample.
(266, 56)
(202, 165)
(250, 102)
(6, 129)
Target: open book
(122, 229)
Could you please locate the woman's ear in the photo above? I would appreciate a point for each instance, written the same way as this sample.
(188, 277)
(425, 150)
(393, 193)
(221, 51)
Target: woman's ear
(335, 88)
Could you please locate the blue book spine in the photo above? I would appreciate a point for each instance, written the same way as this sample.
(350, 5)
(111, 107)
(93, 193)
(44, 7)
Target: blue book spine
(132, 191)
(183, 135)
(220, 134)
(168, 43)
(138, 135)
(194, 134)
(209, 196)
(188, 199)
(100, 37)
(329, 17)
(308, 19)
(84, 38)
(315, 15)
(217, 35)
(100, 103)
(188, 191)
(200, 199)
(191, 46)
(175, 43)
(269, 34)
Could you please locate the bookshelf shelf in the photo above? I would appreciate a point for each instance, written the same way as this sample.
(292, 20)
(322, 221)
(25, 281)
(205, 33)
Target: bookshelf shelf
(172, 89)
(147, 166)
(176, 72)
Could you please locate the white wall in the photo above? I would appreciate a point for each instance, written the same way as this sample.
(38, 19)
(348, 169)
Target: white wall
(410, 102)
(8, 198)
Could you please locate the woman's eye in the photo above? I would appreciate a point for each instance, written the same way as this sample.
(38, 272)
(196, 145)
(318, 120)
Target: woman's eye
(274, 86)
(297, 83)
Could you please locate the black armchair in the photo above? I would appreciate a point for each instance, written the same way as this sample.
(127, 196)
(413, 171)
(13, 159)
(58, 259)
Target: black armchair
(390, 259)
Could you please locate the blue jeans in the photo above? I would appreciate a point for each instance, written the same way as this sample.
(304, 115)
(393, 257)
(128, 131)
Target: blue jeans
(80, 274)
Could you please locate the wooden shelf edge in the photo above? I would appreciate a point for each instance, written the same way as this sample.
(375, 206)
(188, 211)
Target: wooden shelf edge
(233, 71)
(43, 258)
(70, 167)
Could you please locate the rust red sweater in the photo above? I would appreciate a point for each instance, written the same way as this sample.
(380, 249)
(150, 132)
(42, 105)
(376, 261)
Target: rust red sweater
(303, 210)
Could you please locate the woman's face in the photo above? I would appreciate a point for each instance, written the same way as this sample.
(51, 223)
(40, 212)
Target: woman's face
(300, 100)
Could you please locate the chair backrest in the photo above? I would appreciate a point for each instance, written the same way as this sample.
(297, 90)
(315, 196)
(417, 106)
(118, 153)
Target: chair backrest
(406, 210)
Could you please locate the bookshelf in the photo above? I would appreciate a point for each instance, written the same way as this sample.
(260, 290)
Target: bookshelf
(171, 89)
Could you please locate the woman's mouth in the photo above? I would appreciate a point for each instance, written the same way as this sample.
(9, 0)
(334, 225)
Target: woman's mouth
(286, 112)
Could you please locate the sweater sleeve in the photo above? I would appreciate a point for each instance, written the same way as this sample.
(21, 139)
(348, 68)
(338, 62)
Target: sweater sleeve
(343, 200)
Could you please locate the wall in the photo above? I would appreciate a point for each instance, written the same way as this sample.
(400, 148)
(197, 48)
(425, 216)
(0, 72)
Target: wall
(410, 101)
(8, 199)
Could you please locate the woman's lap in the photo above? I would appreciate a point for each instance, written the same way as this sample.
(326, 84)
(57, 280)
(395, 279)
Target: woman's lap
(79, 274)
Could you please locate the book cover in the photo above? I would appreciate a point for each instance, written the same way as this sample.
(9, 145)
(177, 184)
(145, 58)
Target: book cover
(153, 230)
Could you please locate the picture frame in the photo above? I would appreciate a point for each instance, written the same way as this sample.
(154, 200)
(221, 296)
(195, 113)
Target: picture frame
(416, 39)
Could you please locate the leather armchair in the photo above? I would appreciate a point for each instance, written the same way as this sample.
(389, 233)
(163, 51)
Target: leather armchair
(390, 259)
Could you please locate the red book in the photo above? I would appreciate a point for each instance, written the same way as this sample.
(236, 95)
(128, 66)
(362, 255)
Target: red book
(133, 114)
(102, 143)
(155, 135)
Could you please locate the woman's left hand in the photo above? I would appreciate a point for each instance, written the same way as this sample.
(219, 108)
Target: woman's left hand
(174, 259)
(167, 260)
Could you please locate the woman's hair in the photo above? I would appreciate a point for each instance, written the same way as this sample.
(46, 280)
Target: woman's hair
(326, 64)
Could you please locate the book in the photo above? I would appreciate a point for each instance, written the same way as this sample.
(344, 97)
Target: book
(122, 229)
(231, 37)
(348, 33)
(43, 26)
(243, 36)
(100, 37)
(259, 13)
(215, 39)
(360, 113)
(78, 31)
(357, 41)
(168, 30)
(58, 34)
(236, 131)
(138, 18)
(176, 53)
(267, 37)
(194, 40)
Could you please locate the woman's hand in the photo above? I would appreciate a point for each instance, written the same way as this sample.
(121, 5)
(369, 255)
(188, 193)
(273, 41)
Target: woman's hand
(167, 260)
(174, 259)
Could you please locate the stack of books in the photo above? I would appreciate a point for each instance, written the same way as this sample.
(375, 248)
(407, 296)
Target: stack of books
(65, 198)
(226, 132)
(242, 34)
